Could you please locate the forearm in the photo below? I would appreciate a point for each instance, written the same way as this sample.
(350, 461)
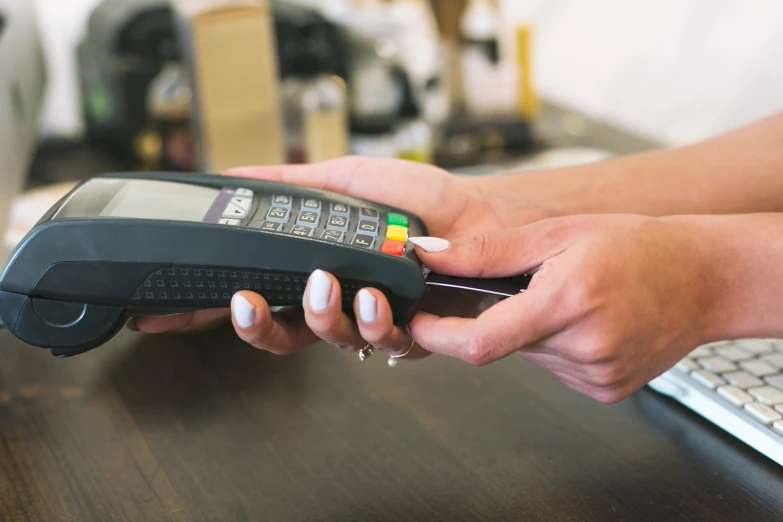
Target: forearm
(742, 258)
(739, 172)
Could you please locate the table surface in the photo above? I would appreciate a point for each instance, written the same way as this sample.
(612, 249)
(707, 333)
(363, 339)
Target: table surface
(204, 427)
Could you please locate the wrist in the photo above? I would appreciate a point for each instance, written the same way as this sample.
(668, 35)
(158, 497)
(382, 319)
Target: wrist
(512, 201)
(741, 274)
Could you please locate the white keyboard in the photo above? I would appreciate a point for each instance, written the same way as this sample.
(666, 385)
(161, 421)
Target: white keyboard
(738, 385)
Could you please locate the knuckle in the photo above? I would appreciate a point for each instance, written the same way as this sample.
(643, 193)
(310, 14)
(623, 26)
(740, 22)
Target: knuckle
(607, 376)
(478, 351)
(582, 294)
(601, 349)
(483, 246)
(612, 396)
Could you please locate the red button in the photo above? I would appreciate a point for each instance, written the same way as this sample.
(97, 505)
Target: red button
(395, 248)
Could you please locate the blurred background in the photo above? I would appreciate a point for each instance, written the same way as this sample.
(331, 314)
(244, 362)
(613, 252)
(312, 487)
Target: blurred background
(471, 85)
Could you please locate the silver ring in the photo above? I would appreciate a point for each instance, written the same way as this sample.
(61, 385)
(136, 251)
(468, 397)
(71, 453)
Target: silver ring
(366, 352)
(392, 362)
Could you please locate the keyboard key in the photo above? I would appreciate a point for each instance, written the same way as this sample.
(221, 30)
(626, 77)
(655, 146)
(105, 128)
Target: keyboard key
(756, 346)
(732, 353)
(230, 222)
(701, 351)
(710, 380)
(234, 211)
(311, 204)
(271, 227)
(717, 365)
(758, 368)
(775, 380)
(687, 366)
(734, 395)
(339, 223)
(282, 201)
(368, 228)
(763, 413)
(775, 359)
(778, 425)
(369, 214)
(742, 380)
(302, 231)
(394, 248)
(333, 235)
(363, 241)
(243, 193)
(397, 233)
(278, 215)
(244, 203)
(767, 395)
(308, 219)
(399, 220)
(340, 209)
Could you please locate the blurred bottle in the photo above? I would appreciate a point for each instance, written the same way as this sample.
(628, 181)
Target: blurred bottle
(167, 143)
(489, 83)
(325, 119)
(413, 138)
(420, 52)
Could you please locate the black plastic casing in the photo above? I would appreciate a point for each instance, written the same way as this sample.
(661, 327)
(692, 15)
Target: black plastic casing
(70, 284)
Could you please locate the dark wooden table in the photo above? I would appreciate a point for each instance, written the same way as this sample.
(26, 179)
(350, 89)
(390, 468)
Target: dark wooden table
(203, 427)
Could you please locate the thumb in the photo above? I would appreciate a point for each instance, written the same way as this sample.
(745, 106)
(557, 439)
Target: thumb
(501, 253)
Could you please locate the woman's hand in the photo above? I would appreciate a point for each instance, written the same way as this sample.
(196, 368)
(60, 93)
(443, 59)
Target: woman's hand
(616, 300)
(451, 206)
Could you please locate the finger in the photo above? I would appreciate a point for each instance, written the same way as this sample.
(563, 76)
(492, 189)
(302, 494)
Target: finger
(376, 326)
(324, 314)
(500, 253)
(366, 178)
(180, 323)
(282, 333)
(513, 324)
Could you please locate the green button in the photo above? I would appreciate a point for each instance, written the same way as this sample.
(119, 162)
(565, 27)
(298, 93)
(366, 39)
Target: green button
(396, 219)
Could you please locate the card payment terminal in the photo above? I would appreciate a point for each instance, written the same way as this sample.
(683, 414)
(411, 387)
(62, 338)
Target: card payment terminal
(133, 244)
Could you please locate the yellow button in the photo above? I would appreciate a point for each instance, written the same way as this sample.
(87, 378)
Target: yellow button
(397, 233)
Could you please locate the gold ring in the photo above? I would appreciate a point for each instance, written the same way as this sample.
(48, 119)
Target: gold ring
(392, 362)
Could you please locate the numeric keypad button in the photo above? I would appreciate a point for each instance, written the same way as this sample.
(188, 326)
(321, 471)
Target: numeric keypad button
(282, 201)
(308, 219)
(333, 235)
(311, 204)
(278, 215)
(302, 231)
(369, 214)
(363, 241)
(339, 223)
(340, 209)
(271, 227)
(368, 228)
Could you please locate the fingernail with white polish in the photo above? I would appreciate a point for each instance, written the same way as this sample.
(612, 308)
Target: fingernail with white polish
(244, 312)
(366, 306)
(430, 244)
(320, 291)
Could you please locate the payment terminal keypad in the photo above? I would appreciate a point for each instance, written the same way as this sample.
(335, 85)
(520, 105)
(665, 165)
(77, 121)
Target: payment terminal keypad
(311, 218)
